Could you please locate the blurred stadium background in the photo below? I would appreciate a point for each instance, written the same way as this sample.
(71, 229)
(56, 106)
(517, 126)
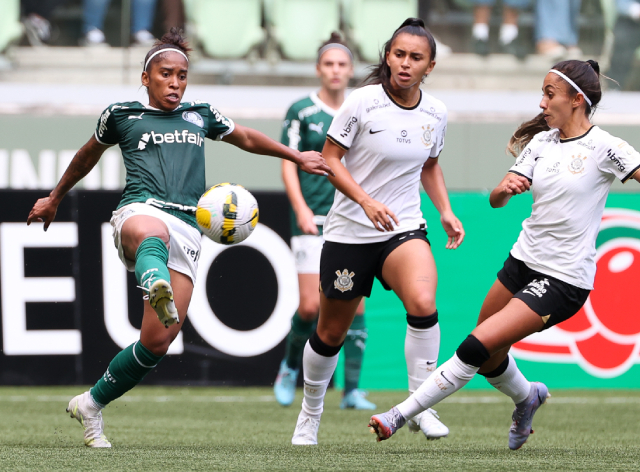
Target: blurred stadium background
(253, 59)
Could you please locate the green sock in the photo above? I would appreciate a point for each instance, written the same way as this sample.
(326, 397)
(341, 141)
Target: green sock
(354, 345)
(125, 371)
(151, 262)
(297, 338)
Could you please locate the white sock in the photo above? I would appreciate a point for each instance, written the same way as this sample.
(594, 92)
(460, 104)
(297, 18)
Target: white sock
(421, 347)
(318, 371)
(508, 33)
(512, 383)
(480, 31)
(447, 379)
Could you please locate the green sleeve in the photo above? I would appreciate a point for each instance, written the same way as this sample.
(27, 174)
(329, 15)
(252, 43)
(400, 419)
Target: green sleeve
(218, 125)
(107, 129)
(291, 129)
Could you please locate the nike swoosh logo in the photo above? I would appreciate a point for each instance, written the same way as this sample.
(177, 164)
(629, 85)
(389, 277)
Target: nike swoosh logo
(431, 363)
(443, 376)
(133, 117)
(374, 132)
(400, 239)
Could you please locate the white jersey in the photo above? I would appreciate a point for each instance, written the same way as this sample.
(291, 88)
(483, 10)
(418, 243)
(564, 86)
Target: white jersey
(570, 183)
(387, 145)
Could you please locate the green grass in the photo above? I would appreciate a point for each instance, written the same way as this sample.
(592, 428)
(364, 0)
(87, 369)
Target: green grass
(159, 428)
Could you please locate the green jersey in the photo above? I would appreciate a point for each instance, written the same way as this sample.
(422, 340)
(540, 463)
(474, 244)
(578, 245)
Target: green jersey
(305, 129)
(163, 152)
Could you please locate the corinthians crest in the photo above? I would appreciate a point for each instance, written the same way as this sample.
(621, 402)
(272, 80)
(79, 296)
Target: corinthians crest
(576, 166)
(344, 282)
(426, 135)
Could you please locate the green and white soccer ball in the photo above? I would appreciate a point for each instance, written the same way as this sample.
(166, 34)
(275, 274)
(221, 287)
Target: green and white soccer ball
(227, 213)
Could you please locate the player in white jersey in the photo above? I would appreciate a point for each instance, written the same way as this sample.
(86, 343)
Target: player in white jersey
(305, 127)
(384, 140)
(569, 164)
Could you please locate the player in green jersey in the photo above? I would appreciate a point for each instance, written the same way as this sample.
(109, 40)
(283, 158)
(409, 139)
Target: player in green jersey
(155, 231)
(305, 127)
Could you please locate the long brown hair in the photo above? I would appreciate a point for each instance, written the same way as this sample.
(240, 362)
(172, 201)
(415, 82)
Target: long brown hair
(582, 73)
(381, 73)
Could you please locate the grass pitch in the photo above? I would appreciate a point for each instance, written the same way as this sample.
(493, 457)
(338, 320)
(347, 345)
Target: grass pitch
(159, 428)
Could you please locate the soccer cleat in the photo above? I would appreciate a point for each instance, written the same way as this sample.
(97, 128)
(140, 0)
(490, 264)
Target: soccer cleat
(356, 399)
(161, 300)
(306, 432)
(428, 422)
(523, 415)
(284, 387)
(386, 424)
(83, 408)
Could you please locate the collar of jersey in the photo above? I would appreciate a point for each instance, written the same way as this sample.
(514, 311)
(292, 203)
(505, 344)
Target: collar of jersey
(158, 109)
(402, 106)
(568, 140)
(323, 106)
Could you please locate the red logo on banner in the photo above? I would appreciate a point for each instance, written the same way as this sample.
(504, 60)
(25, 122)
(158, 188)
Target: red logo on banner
(604, 336)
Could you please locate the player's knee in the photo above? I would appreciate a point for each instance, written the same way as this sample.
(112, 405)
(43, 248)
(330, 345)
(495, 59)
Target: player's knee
(423, 304)
(308, 309)
(332, 335)
(159, 345)
(473, 352)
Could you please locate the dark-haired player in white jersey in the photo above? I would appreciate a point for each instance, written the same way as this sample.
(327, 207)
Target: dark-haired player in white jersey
(154, 226)
(384, 140)
(569, 164)
(311, 196)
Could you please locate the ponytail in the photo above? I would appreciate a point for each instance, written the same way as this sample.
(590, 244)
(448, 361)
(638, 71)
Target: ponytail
(381, 73)
(586, 75)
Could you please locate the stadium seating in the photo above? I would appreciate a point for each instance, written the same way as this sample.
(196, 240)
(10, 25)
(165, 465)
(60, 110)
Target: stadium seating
(10, 26)
(370, 23)
(226, 29)
(299, 27)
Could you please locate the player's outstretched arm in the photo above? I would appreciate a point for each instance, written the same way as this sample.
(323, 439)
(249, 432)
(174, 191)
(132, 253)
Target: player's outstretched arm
(433, 183)
(255, 142)
(379, 214)
(86, 158)
(512, 184)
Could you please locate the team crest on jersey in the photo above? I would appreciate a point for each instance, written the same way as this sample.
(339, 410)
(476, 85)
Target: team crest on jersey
(344, 281)
(193, 117)
(427, 135)
(576, 166)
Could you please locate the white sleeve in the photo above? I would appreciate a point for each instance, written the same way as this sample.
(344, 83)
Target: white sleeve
(526, 161)
(346, 123)
(438, 145)
(619, 158)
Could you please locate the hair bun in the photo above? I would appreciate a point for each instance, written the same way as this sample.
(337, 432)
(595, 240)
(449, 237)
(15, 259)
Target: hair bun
(412, 22)
(594, 65)
(335, 37)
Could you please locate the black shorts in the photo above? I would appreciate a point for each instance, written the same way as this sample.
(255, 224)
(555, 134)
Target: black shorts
(347, 270)
(554, 300)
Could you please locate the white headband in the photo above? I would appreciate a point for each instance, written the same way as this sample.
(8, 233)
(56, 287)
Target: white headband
(160, 51)
(342, 47)
(573, 84)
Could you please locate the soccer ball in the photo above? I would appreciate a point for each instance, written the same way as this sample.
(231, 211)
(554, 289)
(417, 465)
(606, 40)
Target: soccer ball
(227, 213)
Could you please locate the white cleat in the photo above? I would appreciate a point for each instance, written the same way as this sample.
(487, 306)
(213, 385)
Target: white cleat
(306, 432)
(83, 408)
(429, 424)
(161, 300)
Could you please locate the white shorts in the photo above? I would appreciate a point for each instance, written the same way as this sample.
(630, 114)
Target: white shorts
(184, 239)
(307, 249)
